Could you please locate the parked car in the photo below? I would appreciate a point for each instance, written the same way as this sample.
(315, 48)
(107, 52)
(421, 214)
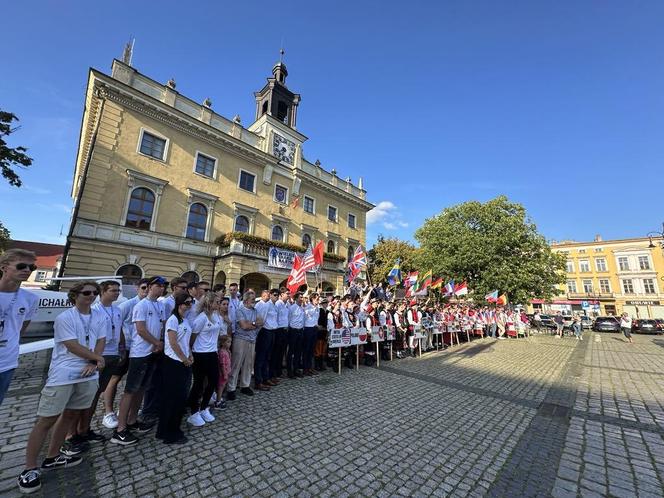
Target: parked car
(586, 322)
(606, 324)
(646, 326)
(547, 322)
(568, 320)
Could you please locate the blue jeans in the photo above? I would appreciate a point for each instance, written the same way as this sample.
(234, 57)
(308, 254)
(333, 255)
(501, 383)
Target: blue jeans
(5, 380)
(492, 329)
(310, 335)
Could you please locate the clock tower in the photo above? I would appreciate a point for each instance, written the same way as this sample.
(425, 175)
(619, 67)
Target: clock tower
(275, 99)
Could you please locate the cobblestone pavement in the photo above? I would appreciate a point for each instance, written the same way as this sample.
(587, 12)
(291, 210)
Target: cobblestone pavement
(530, 417)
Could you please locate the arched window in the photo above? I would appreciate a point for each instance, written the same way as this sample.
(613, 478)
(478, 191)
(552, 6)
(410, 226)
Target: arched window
(191, 276)
(306, 240)
(197, 221)
(141, 206)
(242, 224)
(330, 246)
(351, 251)
(130, 274)
(277, 233)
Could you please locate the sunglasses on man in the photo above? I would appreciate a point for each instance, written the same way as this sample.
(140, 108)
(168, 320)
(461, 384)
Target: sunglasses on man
(188, 303)
(23, 266)
(89, 293)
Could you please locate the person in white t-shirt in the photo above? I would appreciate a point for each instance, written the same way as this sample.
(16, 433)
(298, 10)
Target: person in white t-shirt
(146, 344)
(626, 326)
(17, 306)
(176, 372)
(71, 385)
(204, 341)
(178, 287)
(110, 420)
(110, 291)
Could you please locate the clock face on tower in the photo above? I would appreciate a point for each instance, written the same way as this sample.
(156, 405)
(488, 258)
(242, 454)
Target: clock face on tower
(283, 149)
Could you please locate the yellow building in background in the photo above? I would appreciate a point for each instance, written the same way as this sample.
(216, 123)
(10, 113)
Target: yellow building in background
(163, 185)
(612, 276)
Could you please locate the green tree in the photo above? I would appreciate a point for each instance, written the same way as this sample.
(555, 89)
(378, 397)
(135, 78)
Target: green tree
(11, 157)
(384, 254)
(492, 245)
(4, 238)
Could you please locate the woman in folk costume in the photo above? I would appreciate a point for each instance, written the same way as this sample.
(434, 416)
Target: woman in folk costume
(414, 317)
(320, 347)
(510, 324)
(402, 329)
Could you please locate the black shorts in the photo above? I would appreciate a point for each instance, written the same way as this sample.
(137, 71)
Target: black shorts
(139, 373)
(111, 364)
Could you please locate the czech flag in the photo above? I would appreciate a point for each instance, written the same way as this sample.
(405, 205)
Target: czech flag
(449, 288)
(491, 297)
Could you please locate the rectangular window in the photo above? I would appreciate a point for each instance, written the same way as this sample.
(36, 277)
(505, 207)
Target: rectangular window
(571, 286)
(628, 287)
(600, 264)
(308, 205)
(598, 249)
(280, 194)
(40, 276)
(604, 286)
(570, 267)
(205, 165)
(247, 181)
(623, 263)
(351, 220)
(644, 263)
(584, 266)
(332, 213)
(153, 146)
(648, 286)
(587, 286)
(582, 250)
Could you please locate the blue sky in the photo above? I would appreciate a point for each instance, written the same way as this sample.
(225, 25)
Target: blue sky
(558, 105)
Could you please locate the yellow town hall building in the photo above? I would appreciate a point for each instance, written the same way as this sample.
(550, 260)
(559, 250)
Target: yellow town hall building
(165, 186)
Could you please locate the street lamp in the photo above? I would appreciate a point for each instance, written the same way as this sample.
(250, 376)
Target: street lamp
(656, 234)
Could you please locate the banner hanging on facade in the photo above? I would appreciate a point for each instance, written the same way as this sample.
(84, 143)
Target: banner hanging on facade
(282, 258)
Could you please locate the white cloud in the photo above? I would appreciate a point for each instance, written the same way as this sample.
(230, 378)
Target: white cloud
(380, 212)
(387, 214)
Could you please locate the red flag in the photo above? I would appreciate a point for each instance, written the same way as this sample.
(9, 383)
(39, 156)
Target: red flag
(297, 276)
(318, 253)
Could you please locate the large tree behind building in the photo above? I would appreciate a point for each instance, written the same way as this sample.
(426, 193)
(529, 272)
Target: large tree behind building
(10, 158)
(384, 254)
(491, 245)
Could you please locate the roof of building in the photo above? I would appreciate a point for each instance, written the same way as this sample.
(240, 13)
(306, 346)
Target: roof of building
(47, 254)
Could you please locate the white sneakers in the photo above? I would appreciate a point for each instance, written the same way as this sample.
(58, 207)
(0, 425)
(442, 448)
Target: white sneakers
(110, 420)
(199, 419)
(207, 416)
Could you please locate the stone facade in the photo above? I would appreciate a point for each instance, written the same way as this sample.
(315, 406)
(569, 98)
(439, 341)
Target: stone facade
(159, 178)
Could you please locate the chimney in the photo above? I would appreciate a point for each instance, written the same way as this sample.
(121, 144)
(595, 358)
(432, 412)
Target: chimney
(598, 238)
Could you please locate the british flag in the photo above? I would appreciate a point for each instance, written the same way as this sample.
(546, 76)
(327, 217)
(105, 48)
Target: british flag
(357, 262)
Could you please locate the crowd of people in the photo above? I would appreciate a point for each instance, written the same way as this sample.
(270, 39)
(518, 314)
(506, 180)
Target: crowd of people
(185, 350)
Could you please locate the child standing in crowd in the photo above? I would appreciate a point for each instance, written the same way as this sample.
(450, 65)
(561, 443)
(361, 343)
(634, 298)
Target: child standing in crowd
(224, 357)
(176, 372)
